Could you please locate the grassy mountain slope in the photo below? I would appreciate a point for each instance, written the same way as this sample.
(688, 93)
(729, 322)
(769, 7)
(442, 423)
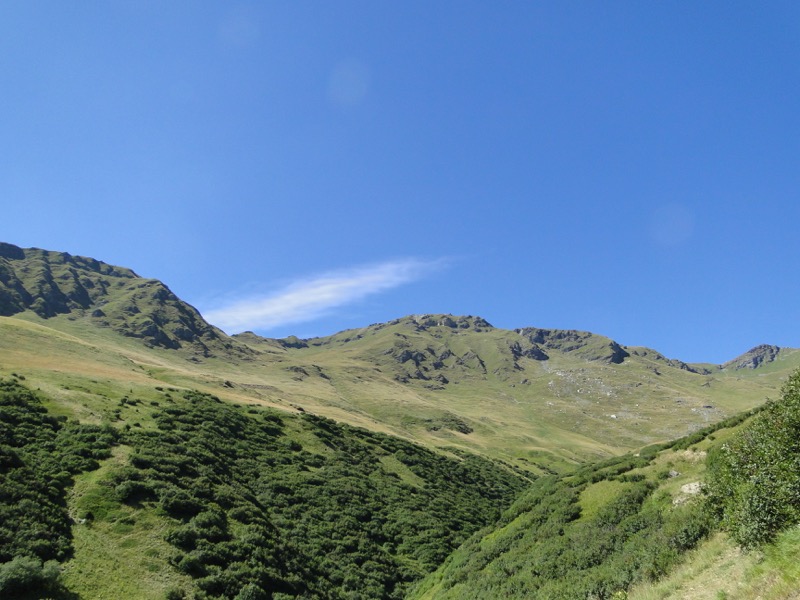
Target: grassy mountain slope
(589, 534)
(84, 332)
(251, 495)
(457, 380)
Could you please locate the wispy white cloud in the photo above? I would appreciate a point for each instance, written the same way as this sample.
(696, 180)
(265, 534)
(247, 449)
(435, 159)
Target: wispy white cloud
(311, 298)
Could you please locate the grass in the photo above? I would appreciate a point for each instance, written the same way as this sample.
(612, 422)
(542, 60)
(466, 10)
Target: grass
(718, 569)
(537, 415)
(598, 495)
(120, 552)
(712, 571)
(776, 576)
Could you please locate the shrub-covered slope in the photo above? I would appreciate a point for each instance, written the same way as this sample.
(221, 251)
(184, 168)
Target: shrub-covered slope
(253, 504)
(39, 455)
(589, 534)
(630, 521)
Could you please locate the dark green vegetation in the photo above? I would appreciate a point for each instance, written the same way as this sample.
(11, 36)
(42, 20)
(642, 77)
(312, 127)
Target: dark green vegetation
(360, 515)
(39, 455)
(253, 507)
(754, 483)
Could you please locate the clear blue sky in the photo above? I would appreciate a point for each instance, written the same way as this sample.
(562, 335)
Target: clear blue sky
(627, 168)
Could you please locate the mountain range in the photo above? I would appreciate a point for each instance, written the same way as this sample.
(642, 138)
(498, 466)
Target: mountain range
(540, 398)
(135, 437)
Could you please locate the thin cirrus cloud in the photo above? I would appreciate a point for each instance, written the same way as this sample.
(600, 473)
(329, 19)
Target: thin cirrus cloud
(315, 297)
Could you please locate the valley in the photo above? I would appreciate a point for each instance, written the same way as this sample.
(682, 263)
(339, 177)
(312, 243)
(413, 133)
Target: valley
(439, 412)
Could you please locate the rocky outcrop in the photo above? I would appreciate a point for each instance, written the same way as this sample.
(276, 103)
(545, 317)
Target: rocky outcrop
(427, 322)
(580, 343)
(56, 283)
(672, 362)
(532, 351)
(753, 358)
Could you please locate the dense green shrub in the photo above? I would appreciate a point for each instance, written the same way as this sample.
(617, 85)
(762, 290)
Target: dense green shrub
(257, 514)
(24, 574)
(754, 479)
(39, 454)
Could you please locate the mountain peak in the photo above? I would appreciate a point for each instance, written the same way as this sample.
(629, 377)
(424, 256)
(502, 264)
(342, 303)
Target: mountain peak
(426, 321)
(56, 283)
(754, 358)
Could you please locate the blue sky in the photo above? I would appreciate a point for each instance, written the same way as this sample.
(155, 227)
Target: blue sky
(627, 168)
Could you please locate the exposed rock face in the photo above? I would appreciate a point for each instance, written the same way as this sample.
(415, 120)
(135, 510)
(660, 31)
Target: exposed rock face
(533, 351)
(672, 362)
(426, 322)
(586, 345)
(293, 342)
(55, 283)
(754, 358)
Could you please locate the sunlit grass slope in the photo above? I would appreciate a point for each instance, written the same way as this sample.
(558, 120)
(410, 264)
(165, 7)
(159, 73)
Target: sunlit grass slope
(473, 387)
(89, 333)
(590, 534)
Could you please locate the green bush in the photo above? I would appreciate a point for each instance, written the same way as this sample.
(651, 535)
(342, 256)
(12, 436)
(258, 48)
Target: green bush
(39, 455)
(25, 574)
(754, 479)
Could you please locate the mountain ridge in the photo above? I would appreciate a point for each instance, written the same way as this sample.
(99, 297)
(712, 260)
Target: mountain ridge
(109, 351)
(53, 283)
(540, 398)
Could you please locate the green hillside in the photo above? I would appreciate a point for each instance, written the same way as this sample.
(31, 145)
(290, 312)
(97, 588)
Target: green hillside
(671, 521)
(590, 534)
(144, 453)
(209, 499)
(540, 399)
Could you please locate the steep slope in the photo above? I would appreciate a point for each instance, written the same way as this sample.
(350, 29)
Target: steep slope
(56, 283)
(590, 534)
